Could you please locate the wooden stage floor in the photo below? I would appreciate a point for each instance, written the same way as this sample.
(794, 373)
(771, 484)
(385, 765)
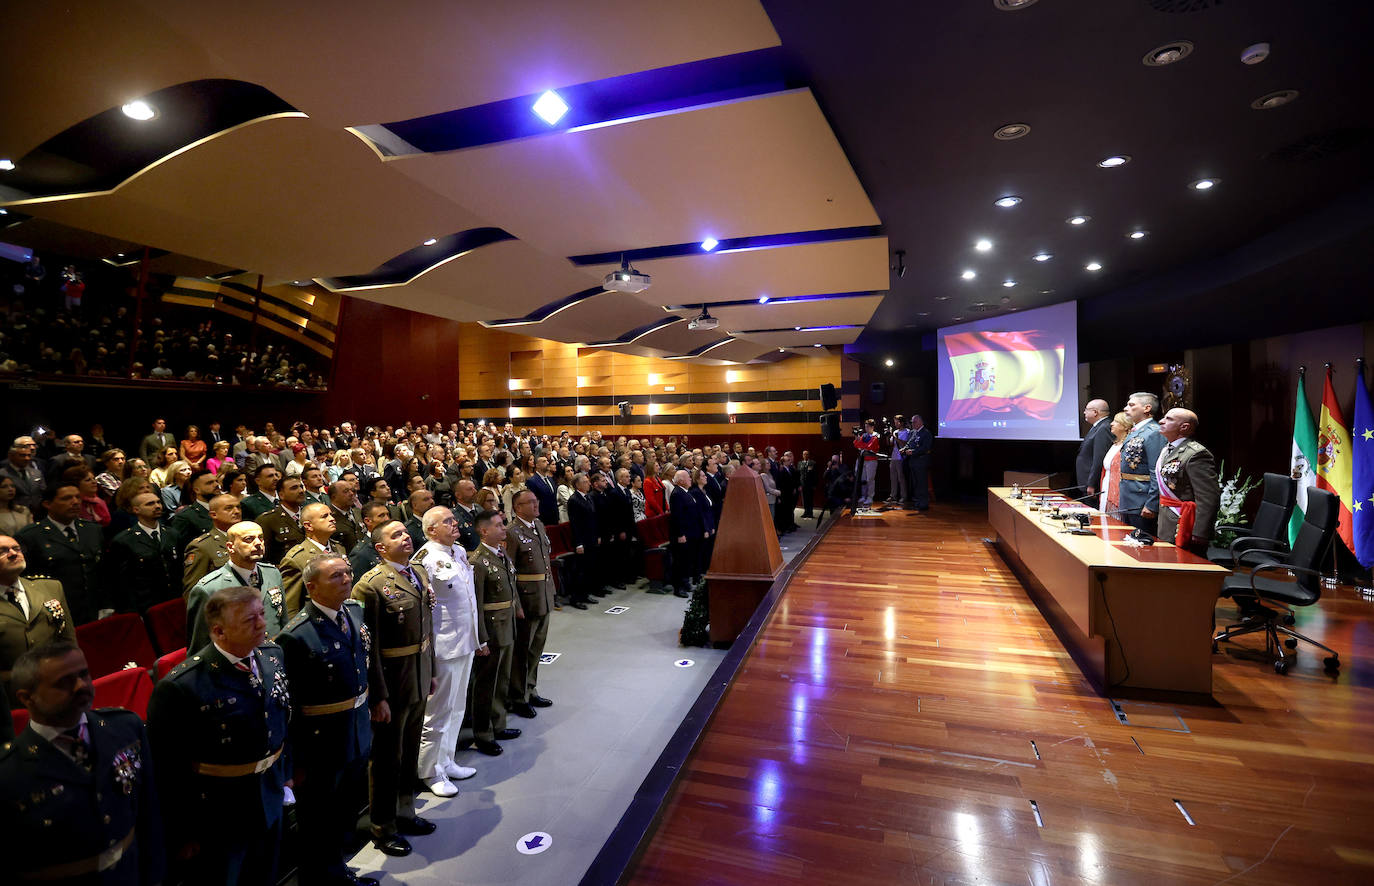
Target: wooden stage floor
(907, 703)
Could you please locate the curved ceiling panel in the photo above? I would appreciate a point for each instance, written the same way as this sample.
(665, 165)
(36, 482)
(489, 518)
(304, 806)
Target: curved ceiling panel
(108, 149)
(831, 312)
(419, 260)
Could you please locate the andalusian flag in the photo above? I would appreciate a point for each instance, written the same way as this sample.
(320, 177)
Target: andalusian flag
(1002, 371)
(1363, 464)
(1333, 459)
(1303, 465)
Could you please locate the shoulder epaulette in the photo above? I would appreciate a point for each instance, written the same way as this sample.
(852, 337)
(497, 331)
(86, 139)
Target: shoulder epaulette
(356, 603)
(298, 619)
(38, 578)
(185, 666)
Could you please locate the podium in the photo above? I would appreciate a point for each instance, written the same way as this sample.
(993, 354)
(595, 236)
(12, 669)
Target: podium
(746, 560)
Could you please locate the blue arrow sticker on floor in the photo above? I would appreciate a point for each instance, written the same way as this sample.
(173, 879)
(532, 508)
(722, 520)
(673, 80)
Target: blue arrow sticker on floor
(683, 663)
(533, 843)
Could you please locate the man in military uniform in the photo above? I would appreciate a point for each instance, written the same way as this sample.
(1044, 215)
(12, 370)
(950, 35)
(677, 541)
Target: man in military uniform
(313, 478)
(421, 500)
(194, 520)
(281, 527)
(528, 545)
(328, 655)
(208, 552)
(244, 569)
(141, 564)
(67, 548)
(493, 581)
(456, 641)
(398, 609)
(1139, 495)
(319, 526)
(464, 494)
(364, 554)
(218, 727)
(348, 519)
(33, 610)
(1189, 492)
(263, 498)
(77, 802)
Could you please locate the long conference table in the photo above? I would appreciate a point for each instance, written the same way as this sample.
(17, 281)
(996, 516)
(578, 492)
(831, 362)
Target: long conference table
(1133, 617)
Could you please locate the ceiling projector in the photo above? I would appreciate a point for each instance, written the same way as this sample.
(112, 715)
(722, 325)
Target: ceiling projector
(704, 320)
(626, 279)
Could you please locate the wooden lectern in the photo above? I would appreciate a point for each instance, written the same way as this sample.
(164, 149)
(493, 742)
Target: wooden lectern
(746, 559)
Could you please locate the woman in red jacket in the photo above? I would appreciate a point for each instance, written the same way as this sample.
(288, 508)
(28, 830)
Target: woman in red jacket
(654, 503)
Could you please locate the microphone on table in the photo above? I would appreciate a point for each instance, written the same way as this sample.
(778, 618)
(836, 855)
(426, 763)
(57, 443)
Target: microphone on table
(1017, 488)
(1138, 535)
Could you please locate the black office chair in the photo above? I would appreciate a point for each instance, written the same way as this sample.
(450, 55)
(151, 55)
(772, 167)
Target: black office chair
(1253, 588)
(1270, 529)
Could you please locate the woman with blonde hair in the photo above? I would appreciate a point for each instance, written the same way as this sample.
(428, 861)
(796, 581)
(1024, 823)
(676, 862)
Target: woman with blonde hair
(342, 462)
(178, 472)
(221, 455)
(1109, 499)
(512, 489)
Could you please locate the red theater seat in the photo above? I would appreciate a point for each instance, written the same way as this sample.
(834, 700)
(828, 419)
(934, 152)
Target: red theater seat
(129, 689)
(113, 642)
(653, 531)
(167, 662)
(21, 719)
(167, 624)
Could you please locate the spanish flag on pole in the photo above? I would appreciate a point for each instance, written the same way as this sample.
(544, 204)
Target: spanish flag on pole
(1002, 371)
(1333, 460)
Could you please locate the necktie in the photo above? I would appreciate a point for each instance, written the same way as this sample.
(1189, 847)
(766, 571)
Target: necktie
(342, 621)
(11, 596)
(71, 534)
(73, 742)
(154, 535)
(414, 579)
(255, 579)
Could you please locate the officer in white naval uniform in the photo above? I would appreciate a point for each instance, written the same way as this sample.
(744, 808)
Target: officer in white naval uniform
(455, 644)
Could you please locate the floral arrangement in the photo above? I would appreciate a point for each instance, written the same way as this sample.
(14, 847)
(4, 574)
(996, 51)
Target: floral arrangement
(1233, 492)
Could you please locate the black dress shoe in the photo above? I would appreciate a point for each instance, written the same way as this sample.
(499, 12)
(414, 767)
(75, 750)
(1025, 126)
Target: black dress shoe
(540, 701)
(415, 827)
(579, 605)
(507, 734)
(522, 709)
(490, 748)
(681, 593)
(355, 880)
(394, 845)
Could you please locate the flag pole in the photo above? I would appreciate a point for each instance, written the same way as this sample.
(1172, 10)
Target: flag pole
(1335, 542)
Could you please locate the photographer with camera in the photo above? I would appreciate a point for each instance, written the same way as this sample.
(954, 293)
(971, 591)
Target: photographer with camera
(898, 491)
(868, 443)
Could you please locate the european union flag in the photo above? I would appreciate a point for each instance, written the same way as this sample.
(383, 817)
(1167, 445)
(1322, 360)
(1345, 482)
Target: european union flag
(1362, 441)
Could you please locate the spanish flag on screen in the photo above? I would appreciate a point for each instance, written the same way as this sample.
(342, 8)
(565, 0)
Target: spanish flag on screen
(1002, 371)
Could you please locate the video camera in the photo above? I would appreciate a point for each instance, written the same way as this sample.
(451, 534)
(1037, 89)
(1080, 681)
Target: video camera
(882, 426)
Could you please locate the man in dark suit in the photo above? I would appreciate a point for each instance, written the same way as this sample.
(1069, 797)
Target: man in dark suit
(586, 540)
(621, 529)
(916, 462)
(542, 485)
(95, 818)
(142, 565)
(785, 510)
(330, 662)
(1088, 462)
(217, 725)
(67, 548)
(806, 476)
(155, 442)
(73, 453)
(686, 531)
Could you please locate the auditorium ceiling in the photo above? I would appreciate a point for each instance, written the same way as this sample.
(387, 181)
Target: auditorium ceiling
(762, 160)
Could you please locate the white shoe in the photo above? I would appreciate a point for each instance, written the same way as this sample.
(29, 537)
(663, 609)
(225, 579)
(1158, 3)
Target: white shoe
(453, 770)
(442, 787)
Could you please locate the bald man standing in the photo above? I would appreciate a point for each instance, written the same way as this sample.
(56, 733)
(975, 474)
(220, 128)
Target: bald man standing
(1093, 449)
(1189, 492)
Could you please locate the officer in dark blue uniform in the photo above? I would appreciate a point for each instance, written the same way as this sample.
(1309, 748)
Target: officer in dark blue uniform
(327, 649)
(76, 796)
(218, 728)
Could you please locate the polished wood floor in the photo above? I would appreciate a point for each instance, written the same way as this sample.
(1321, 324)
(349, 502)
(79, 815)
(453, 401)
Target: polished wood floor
(907, 712)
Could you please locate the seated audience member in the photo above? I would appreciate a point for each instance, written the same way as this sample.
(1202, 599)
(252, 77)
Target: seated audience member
(13, 515)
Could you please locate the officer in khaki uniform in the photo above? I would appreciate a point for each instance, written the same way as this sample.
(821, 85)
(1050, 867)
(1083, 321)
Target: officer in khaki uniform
(1186, 473)
(398, 608)
(208, 552)
(493, 580)
(282, 526)
(33, 610)
(319, 525)
(528, 545)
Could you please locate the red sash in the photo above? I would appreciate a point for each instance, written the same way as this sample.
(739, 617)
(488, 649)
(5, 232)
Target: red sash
(1187, 514)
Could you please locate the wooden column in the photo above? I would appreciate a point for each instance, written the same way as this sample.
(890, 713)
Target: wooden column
(746, 559)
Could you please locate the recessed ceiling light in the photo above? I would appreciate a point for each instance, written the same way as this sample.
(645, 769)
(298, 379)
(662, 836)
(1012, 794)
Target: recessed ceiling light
(782, 350)
(550, 107)
(942, 298)
(1093, 266)
(889, 362)
(1005, 299)
(709, 243)
(818, 345)
(1008, 201)
(797, 328)
(1114, 161)
(1138, 235)
(968, 274)
(1204, 184)
(1274, 99)
(1011, 131)
(6, 165)
(763, 299)
(1077, 220)
(956, 319)
(1009, 283)
(1167, 54)
(4, 212)
(1013, 5)
(139, 110)
(431, 241)
(1042, 256)
(983, 245)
